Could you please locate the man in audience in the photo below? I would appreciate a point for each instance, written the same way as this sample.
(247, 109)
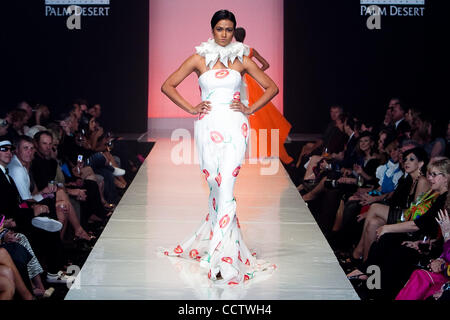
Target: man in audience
(4, 124)
(401, 126)
(23, 105)
(312, 147)
(27, 218)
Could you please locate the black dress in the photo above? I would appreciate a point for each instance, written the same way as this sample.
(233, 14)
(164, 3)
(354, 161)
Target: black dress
(397, 262)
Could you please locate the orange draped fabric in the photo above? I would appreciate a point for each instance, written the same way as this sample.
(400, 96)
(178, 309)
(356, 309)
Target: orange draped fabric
(268, 117)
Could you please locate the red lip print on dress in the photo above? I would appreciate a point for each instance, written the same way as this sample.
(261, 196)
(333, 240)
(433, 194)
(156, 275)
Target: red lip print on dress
(244, 130)
(237, 96)
(219, 180)
(236, 171)
(178, 250)
(214, 204)
(206, 173)
(193, 254)
(216, 137)
(222, 74)
(224, 221)
(227, 260)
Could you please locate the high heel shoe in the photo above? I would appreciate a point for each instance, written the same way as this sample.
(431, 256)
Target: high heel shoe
(109, 206)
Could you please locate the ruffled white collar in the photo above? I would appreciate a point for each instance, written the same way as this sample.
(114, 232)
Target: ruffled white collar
(213, 52)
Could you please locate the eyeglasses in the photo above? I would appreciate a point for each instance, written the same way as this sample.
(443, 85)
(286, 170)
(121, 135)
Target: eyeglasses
(4, 123)
(5, 149)
(434, 174)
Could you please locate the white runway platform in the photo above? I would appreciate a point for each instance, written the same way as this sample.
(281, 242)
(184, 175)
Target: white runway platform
(166, 202)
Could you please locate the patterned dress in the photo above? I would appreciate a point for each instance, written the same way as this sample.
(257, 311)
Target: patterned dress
(221, 137)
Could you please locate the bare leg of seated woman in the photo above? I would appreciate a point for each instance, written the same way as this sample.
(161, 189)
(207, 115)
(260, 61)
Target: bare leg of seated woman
(7, 287)
(339, 217)
(307, 148)
(69, 211)
(313, 161)
(316, 191)
(5, 260)
(376, 217)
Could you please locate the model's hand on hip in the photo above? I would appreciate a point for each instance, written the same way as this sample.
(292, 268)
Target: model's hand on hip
(203, 107)
(238, 106)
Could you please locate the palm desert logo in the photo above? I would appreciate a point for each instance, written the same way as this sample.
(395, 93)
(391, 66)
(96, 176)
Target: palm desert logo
(75, 9)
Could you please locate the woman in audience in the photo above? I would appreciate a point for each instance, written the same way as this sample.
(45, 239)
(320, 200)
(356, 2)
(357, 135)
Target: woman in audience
(425, 283)
(367, 162)
(11, 278)
(393, 252)
(17, 118)
(437, 144)
(380, 214)
(387, 175)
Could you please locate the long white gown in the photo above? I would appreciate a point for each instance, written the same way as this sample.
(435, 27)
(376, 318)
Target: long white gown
(221, 137)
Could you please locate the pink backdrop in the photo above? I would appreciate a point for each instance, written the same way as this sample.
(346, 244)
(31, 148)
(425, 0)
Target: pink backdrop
(177, 26)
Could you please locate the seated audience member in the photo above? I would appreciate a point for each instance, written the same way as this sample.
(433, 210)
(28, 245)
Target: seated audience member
(95, 110)
(380, 214)
(73, 145)
(350, 156)
(10, 279)
(23, 105)
(387, 175)
(401, 126)
(366, 164)
(350, 215)
(44, 170)
(437, 143)
(33, 266)
(12, 199)
(447, 148)
(28, 219)
(387, 124)
(393, 251)
(410, 117)
(4, 125)
(42, 115)
(17, 119)
(426, 283)
(318, 146)
(385, 137)
(334, 154)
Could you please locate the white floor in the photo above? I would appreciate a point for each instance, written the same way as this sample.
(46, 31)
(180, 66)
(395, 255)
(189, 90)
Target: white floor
(166, 202)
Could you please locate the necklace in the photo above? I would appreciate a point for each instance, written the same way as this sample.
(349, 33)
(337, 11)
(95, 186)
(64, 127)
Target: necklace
(212, 52)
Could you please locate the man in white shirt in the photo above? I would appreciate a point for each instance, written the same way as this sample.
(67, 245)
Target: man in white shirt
(38, 221)
(18, 170)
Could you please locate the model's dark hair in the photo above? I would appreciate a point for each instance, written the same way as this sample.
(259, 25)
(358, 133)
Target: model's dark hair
(239, 34)
(222, 15)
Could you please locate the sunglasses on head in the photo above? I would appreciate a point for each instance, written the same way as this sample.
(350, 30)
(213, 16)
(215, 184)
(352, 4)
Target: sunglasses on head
(7, 148)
